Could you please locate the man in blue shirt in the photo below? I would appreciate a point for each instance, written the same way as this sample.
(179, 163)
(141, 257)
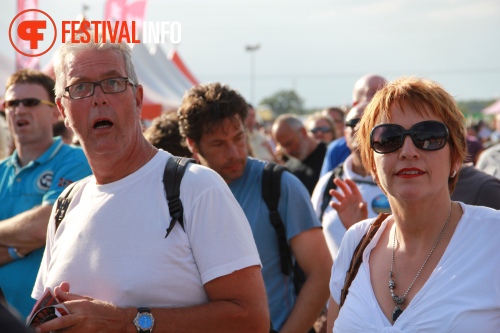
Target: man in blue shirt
(336, 153)
(211, 120)
(31, 179)
(363, 91)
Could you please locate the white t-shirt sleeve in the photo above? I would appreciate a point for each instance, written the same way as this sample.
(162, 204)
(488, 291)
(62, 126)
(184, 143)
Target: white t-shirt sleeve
(218, 230)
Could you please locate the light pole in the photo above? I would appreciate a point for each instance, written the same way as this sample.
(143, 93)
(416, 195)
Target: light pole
(252, 49)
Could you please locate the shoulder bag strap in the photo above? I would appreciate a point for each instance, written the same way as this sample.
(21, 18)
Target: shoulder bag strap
(357, 257)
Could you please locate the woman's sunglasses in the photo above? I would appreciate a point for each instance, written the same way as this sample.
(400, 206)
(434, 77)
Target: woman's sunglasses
(322, 129)
(427, 135)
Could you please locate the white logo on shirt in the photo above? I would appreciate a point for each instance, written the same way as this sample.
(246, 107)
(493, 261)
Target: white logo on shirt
(45, 180)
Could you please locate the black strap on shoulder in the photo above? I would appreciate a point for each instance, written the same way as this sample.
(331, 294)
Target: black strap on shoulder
(64, 200)
(357, 256)
(271, 191)
(330, 185)
(172, 176)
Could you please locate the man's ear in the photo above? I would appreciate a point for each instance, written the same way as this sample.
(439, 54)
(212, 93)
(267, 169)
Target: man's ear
(139, 92)
(193, 148)
(60, 107)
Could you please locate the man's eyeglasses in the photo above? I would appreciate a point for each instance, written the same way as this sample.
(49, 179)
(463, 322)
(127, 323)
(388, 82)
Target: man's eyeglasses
(352, 122)
(108, 86)
(28, 102)
(322, 129)
(426, 135)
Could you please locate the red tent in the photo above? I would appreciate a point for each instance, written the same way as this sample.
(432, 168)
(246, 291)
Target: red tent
(176, 59)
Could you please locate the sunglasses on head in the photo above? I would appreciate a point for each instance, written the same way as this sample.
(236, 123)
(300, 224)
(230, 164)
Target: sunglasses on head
(28, 102)
(322, 129)
(352, 122)
(426, 135)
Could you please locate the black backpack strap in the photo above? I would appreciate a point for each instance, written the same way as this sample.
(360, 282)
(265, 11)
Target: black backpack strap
(271, 191)
(330, 185)
(64, 200)
(172, 176)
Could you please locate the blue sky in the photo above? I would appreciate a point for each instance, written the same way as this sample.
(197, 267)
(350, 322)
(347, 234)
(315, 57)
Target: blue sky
(319, 48)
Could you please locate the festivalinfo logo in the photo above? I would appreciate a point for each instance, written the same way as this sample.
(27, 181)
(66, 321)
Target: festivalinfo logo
(33, 35)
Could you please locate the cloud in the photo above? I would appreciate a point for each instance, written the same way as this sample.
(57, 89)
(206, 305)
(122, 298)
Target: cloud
(448, 10)
(469, 10)
(368, 9)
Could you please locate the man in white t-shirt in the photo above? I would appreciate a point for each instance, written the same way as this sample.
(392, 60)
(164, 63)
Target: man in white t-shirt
(339, 216)
(109, 260)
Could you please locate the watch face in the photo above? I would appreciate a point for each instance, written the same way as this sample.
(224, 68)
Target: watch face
(145, 321)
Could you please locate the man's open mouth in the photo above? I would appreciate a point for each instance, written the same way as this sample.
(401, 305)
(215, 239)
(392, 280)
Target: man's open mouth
(102, 124)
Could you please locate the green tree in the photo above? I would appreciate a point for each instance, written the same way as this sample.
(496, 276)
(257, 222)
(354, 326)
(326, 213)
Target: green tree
(284, 101)
(474, 107)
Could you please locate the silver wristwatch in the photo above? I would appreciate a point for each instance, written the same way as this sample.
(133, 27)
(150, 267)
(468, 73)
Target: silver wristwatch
(144, 320)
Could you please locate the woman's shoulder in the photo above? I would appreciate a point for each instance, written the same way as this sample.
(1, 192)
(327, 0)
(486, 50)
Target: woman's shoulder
(479, 220)
(480, 214)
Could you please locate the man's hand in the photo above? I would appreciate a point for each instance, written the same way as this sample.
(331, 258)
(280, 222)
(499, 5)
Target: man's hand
(350, 206)
(105, 317)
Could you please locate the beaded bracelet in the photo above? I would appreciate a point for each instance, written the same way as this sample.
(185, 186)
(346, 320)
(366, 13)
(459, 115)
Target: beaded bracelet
(14, 254)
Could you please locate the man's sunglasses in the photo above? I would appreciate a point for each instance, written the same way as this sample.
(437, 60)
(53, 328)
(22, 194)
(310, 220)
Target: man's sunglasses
(322, 129)
(426, 135)
(28, 102)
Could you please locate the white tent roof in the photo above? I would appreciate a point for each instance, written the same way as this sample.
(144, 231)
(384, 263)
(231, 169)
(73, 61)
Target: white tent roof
(163, 82)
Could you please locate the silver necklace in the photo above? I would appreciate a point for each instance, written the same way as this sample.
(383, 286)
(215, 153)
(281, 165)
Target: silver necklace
(400, 299)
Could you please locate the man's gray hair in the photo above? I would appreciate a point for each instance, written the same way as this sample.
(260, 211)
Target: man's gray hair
(60, 59)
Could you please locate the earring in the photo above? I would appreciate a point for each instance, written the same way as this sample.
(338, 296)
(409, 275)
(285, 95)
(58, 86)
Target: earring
(454, 174)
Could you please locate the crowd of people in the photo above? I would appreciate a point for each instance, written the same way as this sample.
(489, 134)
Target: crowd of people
(376, 217)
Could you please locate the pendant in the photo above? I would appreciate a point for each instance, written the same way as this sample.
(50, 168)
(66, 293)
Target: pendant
(396, 313)
(398, 299)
